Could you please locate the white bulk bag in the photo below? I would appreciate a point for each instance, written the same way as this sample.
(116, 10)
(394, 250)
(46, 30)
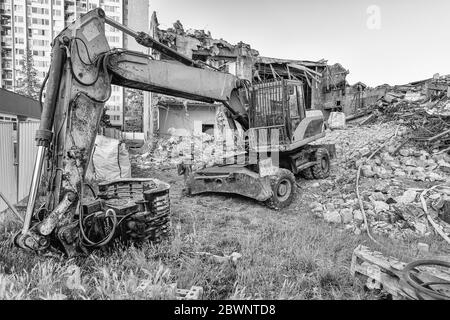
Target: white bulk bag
(110, 160)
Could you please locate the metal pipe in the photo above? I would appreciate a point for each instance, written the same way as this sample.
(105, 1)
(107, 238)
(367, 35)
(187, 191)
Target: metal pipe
(154, 44)
(34, 188)
(11, 206)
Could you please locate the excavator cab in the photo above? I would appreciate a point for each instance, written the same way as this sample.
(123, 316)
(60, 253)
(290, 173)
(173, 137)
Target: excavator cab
(276, 109)
(278, 147)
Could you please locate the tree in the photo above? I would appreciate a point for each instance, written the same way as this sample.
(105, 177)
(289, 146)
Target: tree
(28, 83)
(134, 110)
(105, 121)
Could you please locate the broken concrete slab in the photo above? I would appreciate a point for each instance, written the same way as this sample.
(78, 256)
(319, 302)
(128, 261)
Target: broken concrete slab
(332, 217)
(346, 215)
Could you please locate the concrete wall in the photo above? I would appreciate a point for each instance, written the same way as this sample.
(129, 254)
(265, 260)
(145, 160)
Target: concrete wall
(176, 117)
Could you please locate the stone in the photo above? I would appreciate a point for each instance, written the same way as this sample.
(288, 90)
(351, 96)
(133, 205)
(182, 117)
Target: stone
(338, 203)
(419, 176)
(410, 162)
(357, 215)
(438, 203)
(408, 197)
(368, 205)
(367, 171)
(391, 149)
(330, 207)
(399, 173)
(347, 215)
(387, 157)
(434, 196)
(394, 164)
(420, 228)
(349, 226)
(380, 206)
(377, 161)
(444, 166)
(317, 210)
(439, 157)
(315, 185)
(433, 176)
(381, 172)
(315, 204)
(423, 247)
(364, 151)
(431, 164)
(404, 152)
(421, 163)
(357, 231)
(332, 217)
(377, 196)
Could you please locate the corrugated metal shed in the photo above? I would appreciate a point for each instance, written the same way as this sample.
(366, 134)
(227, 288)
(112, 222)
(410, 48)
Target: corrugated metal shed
(27, 156)
(16, 104)
(7, 169)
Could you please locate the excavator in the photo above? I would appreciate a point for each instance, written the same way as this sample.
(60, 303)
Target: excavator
(83, 69)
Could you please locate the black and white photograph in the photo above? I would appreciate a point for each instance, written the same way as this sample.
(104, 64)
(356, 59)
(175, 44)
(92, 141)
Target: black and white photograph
(221, 159)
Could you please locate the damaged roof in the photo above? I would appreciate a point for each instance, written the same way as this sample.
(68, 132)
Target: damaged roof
(200, 42)
(267, 60)
(19, 105)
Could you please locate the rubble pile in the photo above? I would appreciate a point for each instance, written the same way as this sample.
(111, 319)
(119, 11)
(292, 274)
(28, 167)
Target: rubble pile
(200, 41)
(391, 183)
(428, 119)
(201, 150)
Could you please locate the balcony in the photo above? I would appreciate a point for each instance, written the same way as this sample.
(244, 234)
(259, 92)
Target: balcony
(5, 12)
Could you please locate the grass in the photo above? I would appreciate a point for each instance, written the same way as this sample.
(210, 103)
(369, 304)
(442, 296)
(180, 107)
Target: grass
(290, 254)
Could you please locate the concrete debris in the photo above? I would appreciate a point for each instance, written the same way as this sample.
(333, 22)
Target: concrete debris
(346, 215)
(336, 120)
(391, 184)
(408, 197)
(332, 217)
(423, 247)
(427, 119)
(201, 150)
(234, 257)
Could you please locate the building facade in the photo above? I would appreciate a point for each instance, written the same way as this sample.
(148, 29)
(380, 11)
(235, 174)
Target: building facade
(33, 24)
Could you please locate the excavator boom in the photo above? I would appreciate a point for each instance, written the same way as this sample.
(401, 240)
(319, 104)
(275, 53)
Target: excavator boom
(83, 69)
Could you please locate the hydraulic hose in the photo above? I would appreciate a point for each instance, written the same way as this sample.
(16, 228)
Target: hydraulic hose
(424, 289)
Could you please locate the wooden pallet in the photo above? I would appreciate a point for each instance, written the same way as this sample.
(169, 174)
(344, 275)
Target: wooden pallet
(195, 293)
(386, 273)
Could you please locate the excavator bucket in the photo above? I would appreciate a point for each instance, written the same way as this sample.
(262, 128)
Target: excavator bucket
(232, 179)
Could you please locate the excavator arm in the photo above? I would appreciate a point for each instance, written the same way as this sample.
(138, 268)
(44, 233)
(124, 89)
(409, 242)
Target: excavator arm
(78, 85)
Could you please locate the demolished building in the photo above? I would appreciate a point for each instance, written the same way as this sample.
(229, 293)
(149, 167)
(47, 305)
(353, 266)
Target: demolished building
(325, 86)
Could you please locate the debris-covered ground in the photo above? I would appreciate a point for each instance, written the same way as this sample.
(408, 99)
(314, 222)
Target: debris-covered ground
(236, 248)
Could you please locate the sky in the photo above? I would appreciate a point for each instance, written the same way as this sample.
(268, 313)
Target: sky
(378, 41)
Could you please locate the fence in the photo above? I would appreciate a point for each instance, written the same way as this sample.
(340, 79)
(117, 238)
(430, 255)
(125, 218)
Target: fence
(17, 157)
(26, 157)
(8, 169)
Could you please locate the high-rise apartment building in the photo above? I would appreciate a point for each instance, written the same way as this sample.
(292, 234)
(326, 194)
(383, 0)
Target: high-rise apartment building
(33, 24)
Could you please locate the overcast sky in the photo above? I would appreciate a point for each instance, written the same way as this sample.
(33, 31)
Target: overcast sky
(379, 41)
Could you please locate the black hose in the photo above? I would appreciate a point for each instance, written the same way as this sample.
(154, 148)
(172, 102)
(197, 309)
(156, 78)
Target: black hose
(423, 289)
(41, 92)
